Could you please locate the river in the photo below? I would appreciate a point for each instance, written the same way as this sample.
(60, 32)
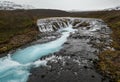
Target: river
(16, 68)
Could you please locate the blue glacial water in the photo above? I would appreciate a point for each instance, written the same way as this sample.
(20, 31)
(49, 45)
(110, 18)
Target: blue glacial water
(16, 68)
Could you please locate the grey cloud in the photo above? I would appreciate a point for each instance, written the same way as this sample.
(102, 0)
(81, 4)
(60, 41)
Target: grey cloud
(71, 4)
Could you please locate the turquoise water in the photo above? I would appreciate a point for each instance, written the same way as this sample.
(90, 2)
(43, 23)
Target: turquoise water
(16, 68)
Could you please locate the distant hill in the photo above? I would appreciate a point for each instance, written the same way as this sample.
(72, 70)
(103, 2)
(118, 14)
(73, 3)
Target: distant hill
(115, 8)
(41, 13)
(7, 5)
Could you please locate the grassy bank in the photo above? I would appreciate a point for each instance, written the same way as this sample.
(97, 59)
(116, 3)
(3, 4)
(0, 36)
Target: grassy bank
(109, 62)
(16, 29)
(19, 27)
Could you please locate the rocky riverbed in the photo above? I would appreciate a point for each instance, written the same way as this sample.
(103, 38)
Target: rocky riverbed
(75, 62)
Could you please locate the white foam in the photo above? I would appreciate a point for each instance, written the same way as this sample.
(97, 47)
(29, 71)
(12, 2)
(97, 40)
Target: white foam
(40, 63)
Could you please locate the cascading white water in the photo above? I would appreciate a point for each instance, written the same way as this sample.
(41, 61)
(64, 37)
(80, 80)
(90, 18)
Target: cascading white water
(49, 24)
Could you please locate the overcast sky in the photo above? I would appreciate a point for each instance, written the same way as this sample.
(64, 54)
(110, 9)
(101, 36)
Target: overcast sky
(70, 4)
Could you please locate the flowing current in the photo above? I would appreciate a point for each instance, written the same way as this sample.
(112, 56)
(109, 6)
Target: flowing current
(17, 67)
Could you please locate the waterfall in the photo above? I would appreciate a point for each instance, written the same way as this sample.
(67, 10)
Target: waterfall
(53, 24)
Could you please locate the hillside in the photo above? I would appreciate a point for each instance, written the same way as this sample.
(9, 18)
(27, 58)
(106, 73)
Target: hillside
(19, 27)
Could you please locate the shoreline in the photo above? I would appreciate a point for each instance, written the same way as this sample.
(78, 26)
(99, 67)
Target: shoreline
(39, 40)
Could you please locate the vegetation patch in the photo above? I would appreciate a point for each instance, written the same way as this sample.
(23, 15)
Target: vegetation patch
(110, 64)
